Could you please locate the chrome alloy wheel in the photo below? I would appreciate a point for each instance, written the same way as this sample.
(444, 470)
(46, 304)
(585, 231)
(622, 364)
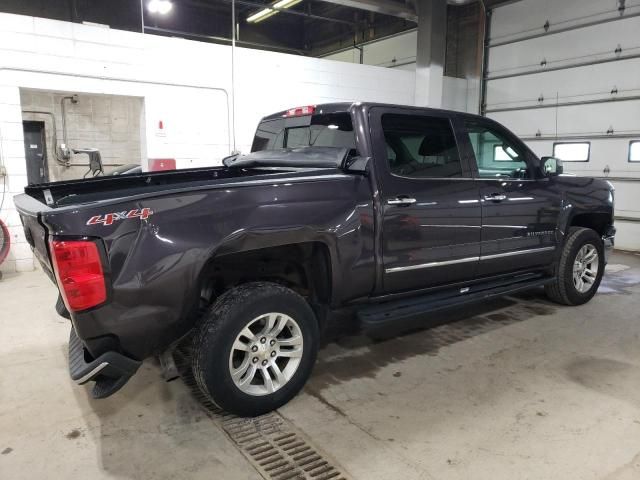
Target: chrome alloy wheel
(585, 268)
(266, 354)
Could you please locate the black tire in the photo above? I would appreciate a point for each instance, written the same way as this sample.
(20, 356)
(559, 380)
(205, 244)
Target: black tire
(220, 326)
(562, 290)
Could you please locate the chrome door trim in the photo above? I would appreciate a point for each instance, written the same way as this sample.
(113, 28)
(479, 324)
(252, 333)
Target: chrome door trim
(516, 252)
(401, 201)
(468, 259)
(431, 264)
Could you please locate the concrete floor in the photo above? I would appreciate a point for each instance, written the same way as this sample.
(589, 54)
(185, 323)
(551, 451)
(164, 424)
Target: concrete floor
(516, 389)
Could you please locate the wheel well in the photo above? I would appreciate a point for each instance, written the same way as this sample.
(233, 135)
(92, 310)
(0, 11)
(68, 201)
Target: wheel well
(302, 267)
(595, 221)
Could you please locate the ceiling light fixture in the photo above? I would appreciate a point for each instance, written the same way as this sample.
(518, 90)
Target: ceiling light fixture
(269, 11)
(159, 6)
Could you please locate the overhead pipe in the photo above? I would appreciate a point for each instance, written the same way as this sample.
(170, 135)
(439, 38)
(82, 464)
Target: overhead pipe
(249, 3)
(384, 7)
(66, 151)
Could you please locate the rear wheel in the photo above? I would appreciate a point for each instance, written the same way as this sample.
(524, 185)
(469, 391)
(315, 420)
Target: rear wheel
(255, 348)
(580, 268)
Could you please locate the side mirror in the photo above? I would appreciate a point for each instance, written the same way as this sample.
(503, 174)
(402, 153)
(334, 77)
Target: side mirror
(551, 166)
(357, 164)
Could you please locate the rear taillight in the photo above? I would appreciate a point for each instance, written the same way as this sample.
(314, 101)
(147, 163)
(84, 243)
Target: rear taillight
(78, 268)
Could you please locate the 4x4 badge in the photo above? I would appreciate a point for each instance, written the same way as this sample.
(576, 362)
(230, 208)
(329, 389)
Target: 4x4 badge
(109, 218)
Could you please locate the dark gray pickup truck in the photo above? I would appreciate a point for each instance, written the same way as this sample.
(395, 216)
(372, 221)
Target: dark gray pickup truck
(386, 211)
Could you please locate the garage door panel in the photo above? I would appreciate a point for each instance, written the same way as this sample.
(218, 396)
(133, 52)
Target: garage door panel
(592, 119)
(598, 118)
(528, 17)
(608, 157)
(627, 198)
(628, 234)
(526, 124)
(541, 148)
(579, 45)
(604, 153)
(581, 83)
(580, 70)
(612, 153)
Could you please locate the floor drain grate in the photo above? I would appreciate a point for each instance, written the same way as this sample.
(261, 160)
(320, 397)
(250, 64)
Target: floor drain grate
(276, 449)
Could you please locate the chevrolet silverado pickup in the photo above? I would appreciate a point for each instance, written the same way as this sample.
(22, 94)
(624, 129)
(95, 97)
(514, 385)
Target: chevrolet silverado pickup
(385, 211)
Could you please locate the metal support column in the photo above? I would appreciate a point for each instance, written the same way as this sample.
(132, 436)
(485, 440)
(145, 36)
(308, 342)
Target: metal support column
(432, 31)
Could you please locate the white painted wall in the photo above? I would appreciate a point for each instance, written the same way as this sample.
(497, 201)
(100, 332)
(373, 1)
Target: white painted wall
(571, 83)
(185, 84)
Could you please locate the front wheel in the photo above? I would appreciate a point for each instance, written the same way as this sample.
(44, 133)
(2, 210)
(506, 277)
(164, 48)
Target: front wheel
(580, 268)
(255, 348)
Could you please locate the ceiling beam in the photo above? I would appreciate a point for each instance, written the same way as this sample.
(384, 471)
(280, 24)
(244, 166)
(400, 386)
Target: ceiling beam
(290, 11)
(385, 7)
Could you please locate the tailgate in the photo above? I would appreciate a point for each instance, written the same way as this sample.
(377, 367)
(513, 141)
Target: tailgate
(36, 234)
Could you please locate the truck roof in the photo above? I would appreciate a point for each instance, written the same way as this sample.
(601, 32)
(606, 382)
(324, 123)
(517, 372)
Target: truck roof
(348, 106)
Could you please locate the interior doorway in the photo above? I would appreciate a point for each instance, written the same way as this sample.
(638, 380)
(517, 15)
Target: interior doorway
(35, 151)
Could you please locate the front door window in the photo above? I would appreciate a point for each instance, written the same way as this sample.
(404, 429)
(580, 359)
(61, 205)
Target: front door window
(496, 155)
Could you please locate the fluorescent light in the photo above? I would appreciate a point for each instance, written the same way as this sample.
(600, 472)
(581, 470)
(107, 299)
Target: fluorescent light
(159, 6)
(286, 3)
(269, 11)
(261, 15)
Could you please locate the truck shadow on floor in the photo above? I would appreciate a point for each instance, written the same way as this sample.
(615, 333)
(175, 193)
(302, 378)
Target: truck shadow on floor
(347, 354)
(150, 429)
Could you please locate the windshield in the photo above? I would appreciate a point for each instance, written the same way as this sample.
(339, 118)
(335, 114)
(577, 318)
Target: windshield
(324, 130)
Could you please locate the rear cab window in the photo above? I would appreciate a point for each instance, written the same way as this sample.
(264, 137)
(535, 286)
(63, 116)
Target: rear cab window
(317, 130)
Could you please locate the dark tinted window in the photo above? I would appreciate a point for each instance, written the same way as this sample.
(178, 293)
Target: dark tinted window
(420, 146)
(327, 130)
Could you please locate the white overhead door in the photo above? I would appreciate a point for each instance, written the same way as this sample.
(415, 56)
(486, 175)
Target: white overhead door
(565, 76)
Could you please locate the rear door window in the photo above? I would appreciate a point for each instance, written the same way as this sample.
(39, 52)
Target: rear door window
(420, 146)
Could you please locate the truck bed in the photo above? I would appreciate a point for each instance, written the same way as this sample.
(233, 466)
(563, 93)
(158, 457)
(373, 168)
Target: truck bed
(59, 194)
(75, 192)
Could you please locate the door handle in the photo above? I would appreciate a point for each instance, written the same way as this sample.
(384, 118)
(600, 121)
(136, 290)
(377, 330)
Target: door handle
(401, 201)
(495, 197)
